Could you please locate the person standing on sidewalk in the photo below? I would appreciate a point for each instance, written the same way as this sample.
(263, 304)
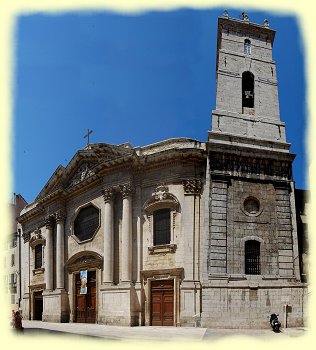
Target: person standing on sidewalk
(12, 318)
(18, 322)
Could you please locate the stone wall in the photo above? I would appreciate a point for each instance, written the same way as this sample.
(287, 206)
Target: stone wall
(226, 307)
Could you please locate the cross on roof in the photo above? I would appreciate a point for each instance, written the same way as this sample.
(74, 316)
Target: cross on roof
(88, 136)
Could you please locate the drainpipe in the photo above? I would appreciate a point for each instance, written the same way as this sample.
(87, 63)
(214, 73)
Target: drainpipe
(20, 279)
(30, 299)
(285, 316)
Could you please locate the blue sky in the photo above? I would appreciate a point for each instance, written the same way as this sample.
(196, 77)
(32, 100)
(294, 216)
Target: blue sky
(138, 79)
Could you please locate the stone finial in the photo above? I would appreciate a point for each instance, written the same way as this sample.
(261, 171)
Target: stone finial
(245, 17)
(266, 23)
(225, 14)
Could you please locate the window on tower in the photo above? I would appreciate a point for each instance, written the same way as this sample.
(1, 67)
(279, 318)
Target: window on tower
(247, 90)
(247, 47)
(252, 257)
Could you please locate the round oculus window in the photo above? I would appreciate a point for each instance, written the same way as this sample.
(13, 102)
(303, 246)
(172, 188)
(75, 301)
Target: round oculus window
(86, 223)
(251, 206)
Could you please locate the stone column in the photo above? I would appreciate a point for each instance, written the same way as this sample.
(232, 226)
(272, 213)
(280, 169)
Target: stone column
(108, 254)
(60, 274)
(49, 255)
(126, 233)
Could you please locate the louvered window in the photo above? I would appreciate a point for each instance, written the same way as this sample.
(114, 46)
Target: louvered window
(247, 90)
(252, 258)
(162, 226)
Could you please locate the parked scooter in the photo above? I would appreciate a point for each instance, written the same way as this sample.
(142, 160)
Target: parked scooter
(275, 323)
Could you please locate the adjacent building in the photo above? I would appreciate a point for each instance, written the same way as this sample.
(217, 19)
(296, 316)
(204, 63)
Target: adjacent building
(181, 232)
(12, 263)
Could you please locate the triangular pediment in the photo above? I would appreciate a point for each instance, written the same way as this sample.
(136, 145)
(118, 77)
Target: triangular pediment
(83, 165)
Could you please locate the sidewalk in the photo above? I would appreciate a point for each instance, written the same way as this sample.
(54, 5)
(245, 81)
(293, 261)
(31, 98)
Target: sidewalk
(150, 333)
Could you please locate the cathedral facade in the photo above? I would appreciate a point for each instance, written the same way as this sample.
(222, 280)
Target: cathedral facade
(180, 232)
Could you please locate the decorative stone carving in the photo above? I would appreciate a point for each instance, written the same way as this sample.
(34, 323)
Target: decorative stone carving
(26, 236)
(37, 238)
(84, 259)
(82, 173)
(192, 186)
(160, 192)
(60, 216)
(126, 190)
(37, 234)
(161, 198)
(107, 194)
(48, 220)
(242, 166)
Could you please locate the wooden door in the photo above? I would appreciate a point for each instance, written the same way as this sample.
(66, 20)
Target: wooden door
(86, 303)
(38, 306)
(162, 303)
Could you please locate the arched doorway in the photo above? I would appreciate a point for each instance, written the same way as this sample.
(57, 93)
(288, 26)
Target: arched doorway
(84, 269)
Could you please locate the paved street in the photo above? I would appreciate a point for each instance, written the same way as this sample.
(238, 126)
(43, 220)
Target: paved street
(149, 333)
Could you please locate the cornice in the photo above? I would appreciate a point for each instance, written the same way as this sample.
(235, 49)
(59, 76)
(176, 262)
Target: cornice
(38, 210)
(237, 25)
(130, 162)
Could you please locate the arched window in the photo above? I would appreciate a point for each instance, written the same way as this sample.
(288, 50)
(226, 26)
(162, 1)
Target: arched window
(161, 226)
(247, 90)
(247, 47)
(252, 257)
(38, 256)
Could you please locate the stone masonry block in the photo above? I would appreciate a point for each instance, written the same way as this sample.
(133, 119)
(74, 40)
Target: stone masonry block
(285, 259)
(219, 222)
(286, 252)
(219, 210)
(218, 242)
(218, 249)
(218, 263)
(218, 229)
(220, 191)
(219, 203)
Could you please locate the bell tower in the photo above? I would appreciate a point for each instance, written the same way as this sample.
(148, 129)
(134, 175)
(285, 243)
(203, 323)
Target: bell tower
(249, 164)
(247, 103)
